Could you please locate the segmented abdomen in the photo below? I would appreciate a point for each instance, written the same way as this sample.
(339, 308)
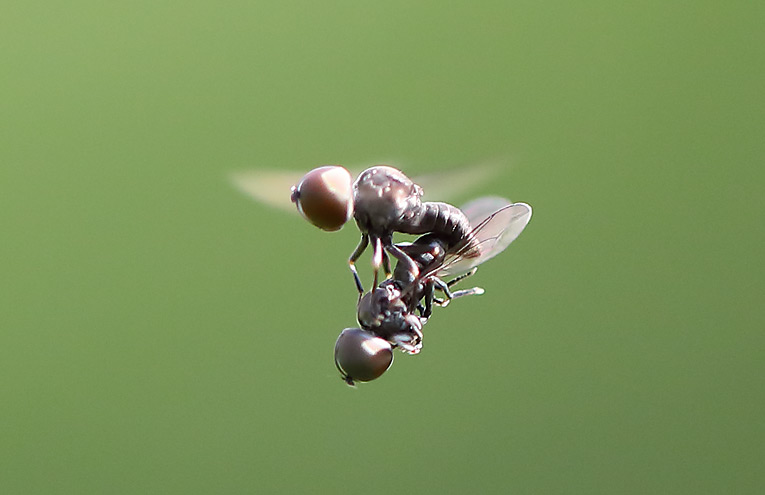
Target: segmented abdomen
(443, 219)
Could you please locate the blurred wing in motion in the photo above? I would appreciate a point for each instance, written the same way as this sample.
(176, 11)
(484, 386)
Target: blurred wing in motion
(272, 187)
(269, 187)
(451, 184)
(496, 223)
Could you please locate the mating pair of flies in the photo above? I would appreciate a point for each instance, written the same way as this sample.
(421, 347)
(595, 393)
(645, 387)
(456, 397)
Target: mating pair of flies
(453, 242)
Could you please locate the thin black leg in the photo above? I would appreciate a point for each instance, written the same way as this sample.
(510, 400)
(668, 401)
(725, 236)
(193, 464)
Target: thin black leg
(386, 264)
(354, 257)
(461, 277)
(444, 287)
(429, 296)
(401, 256)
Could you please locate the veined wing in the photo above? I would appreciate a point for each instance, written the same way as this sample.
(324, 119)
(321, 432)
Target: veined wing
(496, 223)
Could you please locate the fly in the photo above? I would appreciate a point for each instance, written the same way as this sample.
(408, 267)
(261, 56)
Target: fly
(396, 310)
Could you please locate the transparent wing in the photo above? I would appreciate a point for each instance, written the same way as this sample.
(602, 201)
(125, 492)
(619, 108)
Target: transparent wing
(497, 223)
(480, 209)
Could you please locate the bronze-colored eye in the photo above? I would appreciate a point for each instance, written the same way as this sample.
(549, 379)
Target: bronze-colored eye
(324, 196)
(361, 355)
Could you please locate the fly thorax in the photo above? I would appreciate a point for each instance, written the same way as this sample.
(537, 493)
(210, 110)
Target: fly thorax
(382, 197)
(380, 306)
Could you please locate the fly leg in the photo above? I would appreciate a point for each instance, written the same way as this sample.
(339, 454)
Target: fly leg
(461, 277)
(429, 297)
(354, 257)
(404, 259)
(449, 295)
(377, 259)
(411, 340)
(474, 291)
(443, 287)
(386, 265)
(465, 292)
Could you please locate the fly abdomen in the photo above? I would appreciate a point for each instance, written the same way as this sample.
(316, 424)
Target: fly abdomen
(443, 219)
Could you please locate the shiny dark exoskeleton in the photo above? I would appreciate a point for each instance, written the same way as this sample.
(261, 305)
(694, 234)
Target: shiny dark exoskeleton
(387, 201)
(393, 314)
(388, 314)
(397, 309)
(383, 201)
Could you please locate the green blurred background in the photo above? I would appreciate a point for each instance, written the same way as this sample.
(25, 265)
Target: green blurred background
(162, 333)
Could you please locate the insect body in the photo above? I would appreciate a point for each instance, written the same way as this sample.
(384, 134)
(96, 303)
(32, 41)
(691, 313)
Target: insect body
(396, 310)
(382, 201)
(387, 201)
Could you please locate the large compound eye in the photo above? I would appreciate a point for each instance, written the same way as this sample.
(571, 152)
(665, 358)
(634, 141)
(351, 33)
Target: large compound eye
(361, 356)
(324, 196)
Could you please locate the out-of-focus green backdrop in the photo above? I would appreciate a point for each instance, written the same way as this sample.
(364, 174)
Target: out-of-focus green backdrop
(162, 333)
